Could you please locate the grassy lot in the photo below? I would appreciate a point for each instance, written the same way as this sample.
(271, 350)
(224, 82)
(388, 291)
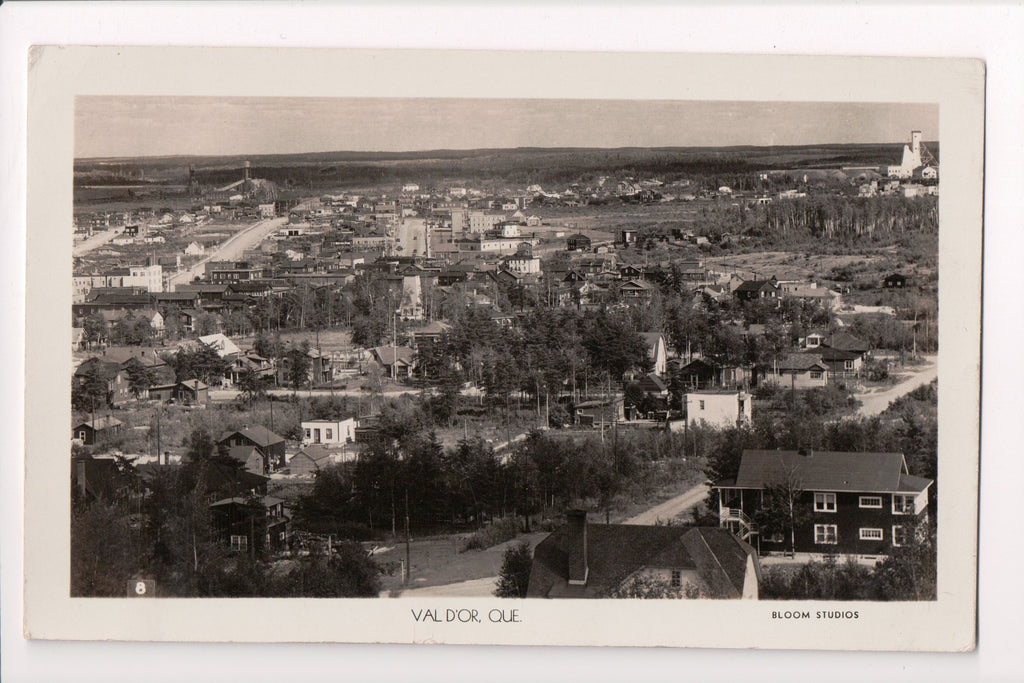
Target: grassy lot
(437, 561)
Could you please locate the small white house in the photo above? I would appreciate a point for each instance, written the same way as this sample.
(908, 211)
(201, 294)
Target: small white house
(329, 432)
(718, 408)
(195, 249)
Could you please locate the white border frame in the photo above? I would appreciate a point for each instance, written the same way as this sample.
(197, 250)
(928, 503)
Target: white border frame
(989, 32)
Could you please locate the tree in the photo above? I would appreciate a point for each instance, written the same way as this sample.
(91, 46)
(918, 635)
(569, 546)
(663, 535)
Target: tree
(102, 557)
(253, 385)
(95, 327)
(909, 572)
(781, 512)
(514, 576)
(298, 365)
(203, 363)
(89, 388)
(649, 587)
(140, 378)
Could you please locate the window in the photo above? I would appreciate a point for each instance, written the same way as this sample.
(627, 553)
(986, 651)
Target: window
(702, 405)
(871, 534)
(677, 578)
(81, 434)
(239, 543)
(902, 505)
(848, 364)
(870, 501)
(824, 502)
(330, 434)
(815, 374)
(825, 534)
(307, 433)
(899, 535)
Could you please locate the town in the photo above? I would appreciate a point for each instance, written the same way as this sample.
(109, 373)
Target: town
(633, 375)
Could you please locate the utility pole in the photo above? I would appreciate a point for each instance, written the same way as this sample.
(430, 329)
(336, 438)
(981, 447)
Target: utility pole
(408, 565)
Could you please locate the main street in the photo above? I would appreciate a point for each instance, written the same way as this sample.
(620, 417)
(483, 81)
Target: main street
(94, 242)
(232, 248)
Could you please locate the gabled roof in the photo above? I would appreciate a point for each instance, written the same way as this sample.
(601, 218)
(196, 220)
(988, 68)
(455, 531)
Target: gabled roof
(829, 354)
(634, 284)
(827, 471)
(314, 452)
(258, 434)
(102, 422)
(242, 453)
(754, 285)
(801, 361)
(389, 355)
(844, 341)
(617, 551)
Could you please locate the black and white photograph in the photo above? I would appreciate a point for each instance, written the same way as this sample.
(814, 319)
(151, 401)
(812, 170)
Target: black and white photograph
(467, 361)
(515, 348)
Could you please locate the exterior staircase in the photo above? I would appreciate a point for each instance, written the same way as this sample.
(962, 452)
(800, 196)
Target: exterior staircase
(738, 521)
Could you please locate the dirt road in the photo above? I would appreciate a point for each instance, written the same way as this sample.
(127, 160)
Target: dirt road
(230, 249)
(874, 402)
(97, 240)
(673, 507)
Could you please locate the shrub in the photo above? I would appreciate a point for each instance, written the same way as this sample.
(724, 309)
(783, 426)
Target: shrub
(515, 571)
(500, 531)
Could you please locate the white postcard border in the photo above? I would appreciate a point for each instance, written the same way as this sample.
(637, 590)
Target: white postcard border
(60, 73)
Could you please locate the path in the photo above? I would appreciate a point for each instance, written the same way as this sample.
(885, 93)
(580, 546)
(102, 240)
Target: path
(474, 588)
(673, 507)
(873, 403)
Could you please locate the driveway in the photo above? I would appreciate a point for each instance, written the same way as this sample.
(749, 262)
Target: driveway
(672, 508)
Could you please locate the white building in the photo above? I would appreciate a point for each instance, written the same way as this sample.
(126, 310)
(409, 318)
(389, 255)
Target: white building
(718, 408)
(266, 210)
(329, 432)
(911, 158)
(522, 264)
(195, 249)
(410, 187)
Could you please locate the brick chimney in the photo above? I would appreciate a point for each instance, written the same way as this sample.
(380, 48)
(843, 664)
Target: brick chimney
(577, 551)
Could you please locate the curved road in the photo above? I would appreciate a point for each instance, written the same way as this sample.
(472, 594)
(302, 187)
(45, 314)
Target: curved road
(873, 403)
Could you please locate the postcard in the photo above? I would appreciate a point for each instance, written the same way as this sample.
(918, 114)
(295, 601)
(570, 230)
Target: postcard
(503, 348)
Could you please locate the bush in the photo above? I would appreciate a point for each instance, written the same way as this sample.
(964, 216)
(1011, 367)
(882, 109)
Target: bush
(500, 531)
(515, 571)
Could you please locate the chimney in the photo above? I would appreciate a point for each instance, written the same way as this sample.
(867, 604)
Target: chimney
(578, 570)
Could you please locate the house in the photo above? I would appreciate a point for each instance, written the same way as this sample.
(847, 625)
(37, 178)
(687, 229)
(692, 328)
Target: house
(895, 281)
(582, 560)
(599, 411)
(844, 341)
(752, 290)
(656, 351)
(635, 289)
(97, 430)
(250, 458)
(320, 369)
(578, 242)
(397, 361)
(309, 460)
(840, 363)
(627, 237)
(429, 335)
(195, 249)
(861, 504)
(256, 525)
(269, 444)
(118, 387)
(798, 371)
(704, 373)
(189, 392)
(220, 343)
(251, 362)
(718, 408)
(329, 432)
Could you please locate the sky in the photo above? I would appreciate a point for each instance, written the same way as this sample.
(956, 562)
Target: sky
(121, 126)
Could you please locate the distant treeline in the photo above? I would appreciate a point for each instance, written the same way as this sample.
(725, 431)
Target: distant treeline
(518, 166)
